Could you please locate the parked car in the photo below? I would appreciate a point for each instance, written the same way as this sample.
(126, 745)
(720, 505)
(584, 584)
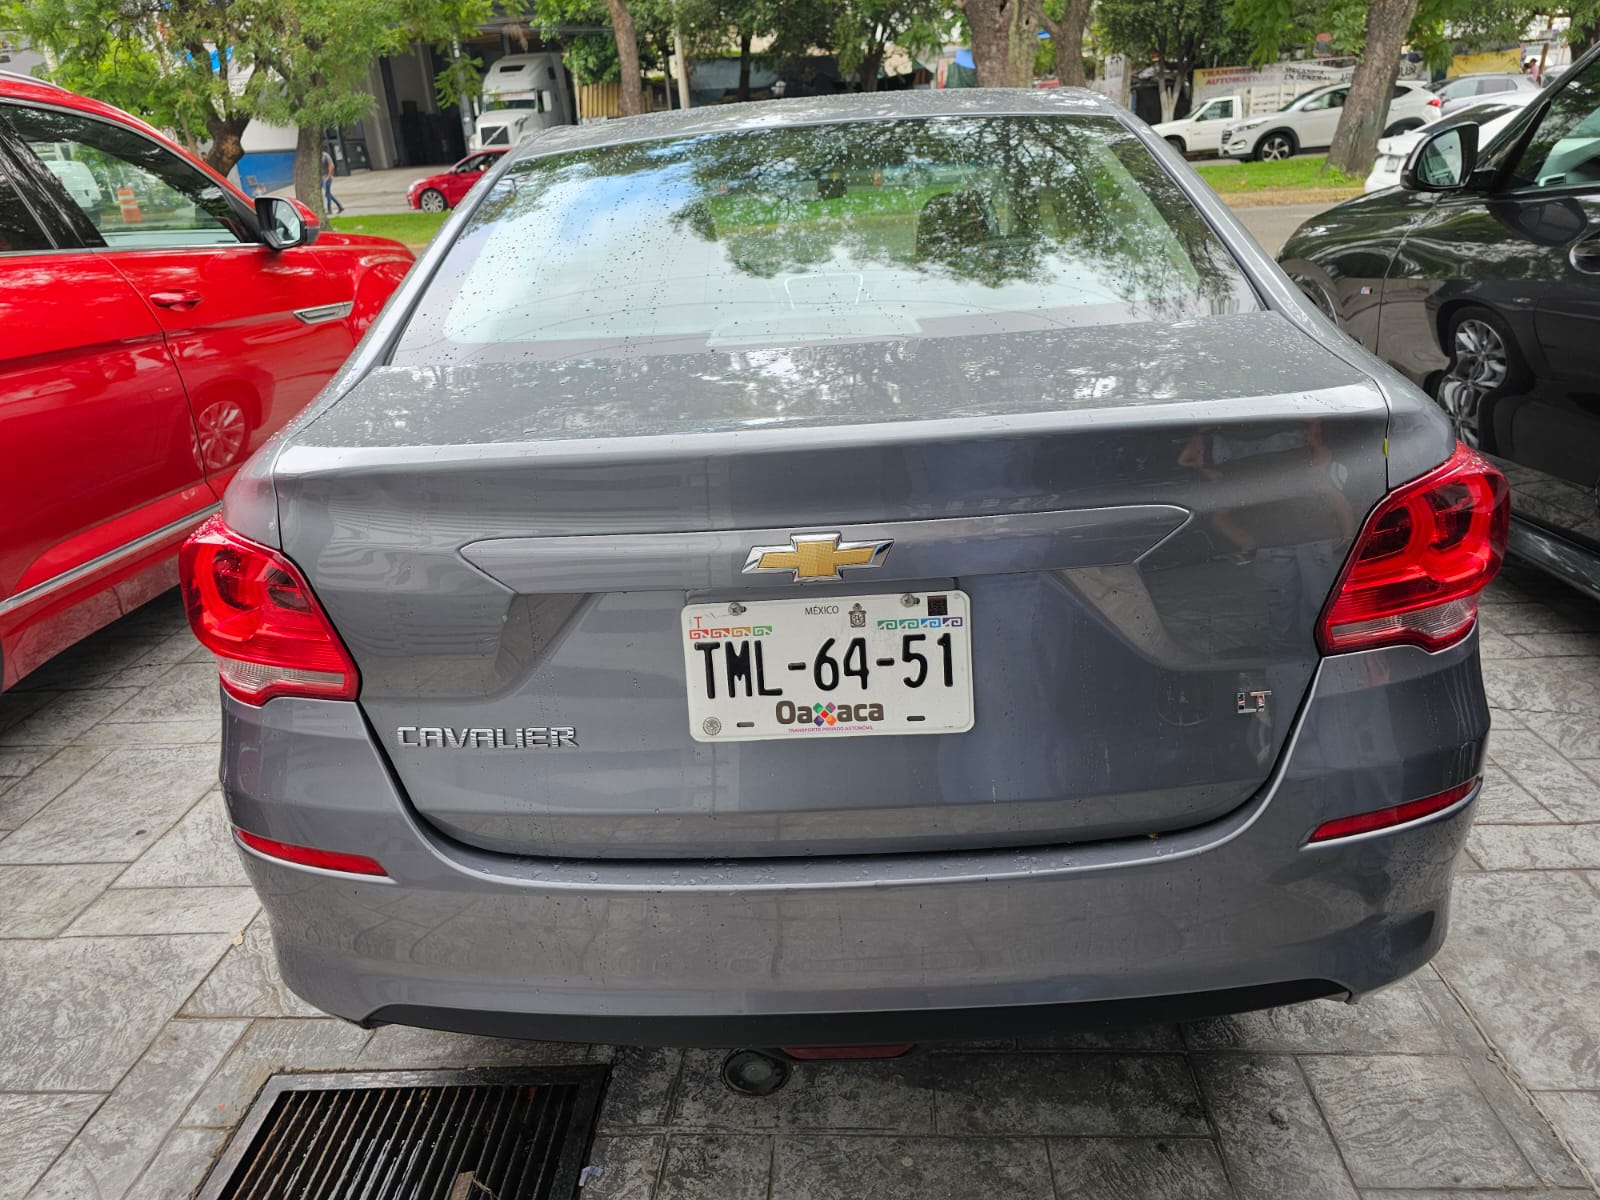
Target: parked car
(1453, 95)
(1201, 131)
(1490, 117)
(1479, 279)
(441, 192)
(151, 338)
(1308, 122)
(705, 613)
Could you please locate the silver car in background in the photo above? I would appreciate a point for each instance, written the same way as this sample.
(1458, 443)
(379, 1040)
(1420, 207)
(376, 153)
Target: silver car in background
(852, 570)
(1451, 96)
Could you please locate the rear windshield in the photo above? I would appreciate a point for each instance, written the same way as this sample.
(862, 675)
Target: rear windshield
(824, 233)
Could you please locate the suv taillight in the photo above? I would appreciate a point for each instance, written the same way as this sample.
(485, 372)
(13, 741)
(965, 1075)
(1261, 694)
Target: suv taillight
(1420, 561)
(251, 607)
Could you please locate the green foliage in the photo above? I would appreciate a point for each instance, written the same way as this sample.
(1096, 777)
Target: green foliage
(1440, 29)
(1287, 174)
(1174, 32)
(863, 30)
(415, 229)
(320, 51)
(153, 60)
(298, 62)
(461, 79)
(1178, 35)
(592, 58)
(122, 74)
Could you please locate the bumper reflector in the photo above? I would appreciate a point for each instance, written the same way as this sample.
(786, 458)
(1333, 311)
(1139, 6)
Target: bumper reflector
(1386, 818)
(306, 856)
(816, 1053)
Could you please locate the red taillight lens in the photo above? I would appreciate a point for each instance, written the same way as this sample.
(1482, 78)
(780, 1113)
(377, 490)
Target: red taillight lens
(253, 609)
(1423, 556)
(1388, 818)
(307, 856)
(1436, 102)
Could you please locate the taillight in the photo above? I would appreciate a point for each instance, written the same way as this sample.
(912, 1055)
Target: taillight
(253, 609)
(1388, 818)
(1423, 556)
(309, 856)
(1436, 102)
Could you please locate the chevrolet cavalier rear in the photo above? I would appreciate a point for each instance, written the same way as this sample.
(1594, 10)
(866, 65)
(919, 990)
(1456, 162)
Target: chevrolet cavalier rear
(842, 571)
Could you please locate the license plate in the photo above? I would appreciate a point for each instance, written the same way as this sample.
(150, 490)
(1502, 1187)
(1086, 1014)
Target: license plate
(852, 666)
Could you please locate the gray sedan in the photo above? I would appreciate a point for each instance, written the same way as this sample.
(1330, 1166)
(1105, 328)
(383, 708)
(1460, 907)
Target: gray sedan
(844, 571)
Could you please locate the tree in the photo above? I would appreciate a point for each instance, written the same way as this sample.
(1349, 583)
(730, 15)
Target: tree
(631, 100)
(1366, 107)
(1379, 31)
(316, 54)
(863, 31)
(1172, 34)
(1066, 40)
(552, 15)
(1003, 36)
(153, 59)
(205, 68)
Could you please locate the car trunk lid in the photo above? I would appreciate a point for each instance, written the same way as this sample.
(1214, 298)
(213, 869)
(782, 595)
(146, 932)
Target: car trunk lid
(1141, 524)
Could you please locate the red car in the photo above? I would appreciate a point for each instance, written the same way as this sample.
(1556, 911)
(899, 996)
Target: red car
(443, 191)
(156, 327)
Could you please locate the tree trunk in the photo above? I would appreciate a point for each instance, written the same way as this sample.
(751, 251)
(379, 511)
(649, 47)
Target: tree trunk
(1168, 89)
(1068, 39)
(1366, 108)
(308, 170)
(632, 99)
(683, 67)
(1003, 33)
(744, 66)
(867, 72)
(227, 146)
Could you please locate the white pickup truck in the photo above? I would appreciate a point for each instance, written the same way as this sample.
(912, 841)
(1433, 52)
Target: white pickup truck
(1201, 131)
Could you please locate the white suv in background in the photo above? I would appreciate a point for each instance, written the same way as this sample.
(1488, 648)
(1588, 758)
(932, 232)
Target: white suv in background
(1308, 122)
(1201, 131)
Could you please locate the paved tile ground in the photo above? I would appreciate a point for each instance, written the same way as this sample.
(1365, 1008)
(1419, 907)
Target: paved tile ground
(140, 1012)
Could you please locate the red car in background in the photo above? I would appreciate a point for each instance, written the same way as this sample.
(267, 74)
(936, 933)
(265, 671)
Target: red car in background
(443, 191)
(156, 327)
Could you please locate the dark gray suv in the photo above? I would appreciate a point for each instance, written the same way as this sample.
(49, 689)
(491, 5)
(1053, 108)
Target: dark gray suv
(853, 570)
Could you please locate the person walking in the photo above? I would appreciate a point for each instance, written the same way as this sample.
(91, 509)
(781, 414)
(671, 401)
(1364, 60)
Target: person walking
(328, 201)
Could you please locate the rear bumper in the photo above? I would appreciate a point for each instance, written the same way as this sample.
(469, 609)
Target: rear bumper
(1230, 915)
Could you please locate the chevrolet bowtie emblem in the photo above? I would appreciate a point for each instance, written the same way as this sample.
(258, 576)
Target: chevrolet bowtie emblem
(816, 556)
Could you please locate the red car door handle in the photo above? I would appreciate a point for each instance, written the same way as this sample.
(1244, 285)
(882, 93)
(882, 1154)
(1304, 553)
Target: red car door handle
(175, 299)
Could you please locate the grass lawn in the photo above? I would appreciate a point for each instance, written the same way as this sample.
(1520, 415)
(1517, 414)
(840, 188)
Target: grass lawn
(1287, 174)
(415, 229)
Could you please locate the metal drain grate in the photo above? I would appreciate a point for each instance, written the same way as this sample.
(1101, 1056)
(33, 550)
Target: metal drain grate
(435, 1135)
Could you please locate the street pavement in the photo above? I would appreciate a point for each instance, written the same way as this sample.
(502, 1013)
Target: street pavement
(1271, 225)
(140, 1011)
(369, 193)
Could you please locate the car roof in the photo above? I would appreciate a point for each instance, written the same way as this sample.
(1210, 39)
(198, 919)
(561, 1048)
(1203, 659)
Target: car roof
(40, 91)
(822, 110)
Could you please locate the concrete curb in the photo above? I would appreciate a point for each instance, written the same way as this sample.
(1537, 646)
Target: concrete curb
(1279, 197)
